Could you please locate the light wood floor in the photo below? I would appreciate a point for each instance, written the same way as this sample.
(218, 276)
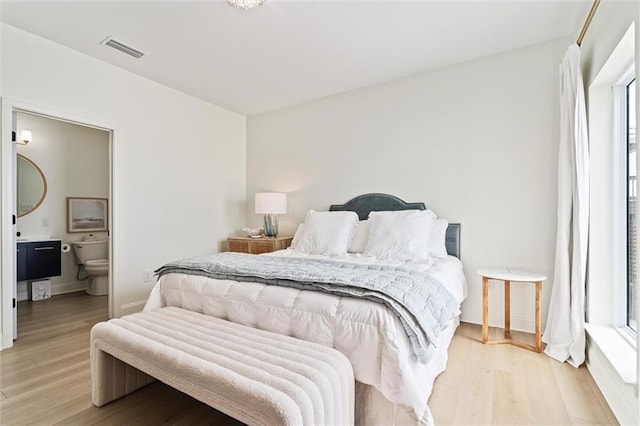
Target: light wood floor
(507, 385)
(45, 379)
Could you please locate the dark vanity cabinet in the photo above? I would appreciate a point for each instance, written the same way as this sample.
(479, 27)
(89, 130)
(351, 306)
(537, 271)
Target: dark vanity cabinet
(38, 259)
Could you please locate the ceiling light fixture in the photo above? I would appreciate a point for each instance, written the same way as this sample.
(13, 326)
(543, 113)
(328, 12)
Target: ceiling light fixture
(245, 4)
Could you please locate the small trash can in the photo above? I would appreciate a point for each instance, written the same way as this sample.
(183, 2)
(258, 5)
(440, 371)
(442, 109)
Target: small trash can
(40, 289)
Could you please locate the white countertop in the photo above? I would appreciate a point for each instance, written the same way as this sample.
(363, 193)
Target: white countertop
(36, 239)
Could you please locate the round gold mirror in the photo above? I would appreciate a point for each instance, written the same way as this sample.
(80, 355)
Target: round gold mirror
(31, 185)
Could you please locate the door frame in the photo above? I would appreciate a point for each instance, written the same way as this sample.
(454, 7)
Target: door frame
(8, 188)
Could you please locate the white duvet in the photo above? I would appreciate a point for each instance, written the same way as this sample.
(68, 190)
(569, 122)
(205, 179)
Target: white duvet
(368, 333)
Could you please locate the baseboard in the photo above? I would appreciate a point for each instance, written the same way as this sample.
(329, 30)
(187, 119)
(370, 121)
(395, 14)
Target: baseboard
(131, 308)
(62, 288)
(620, 396)
(56, 288)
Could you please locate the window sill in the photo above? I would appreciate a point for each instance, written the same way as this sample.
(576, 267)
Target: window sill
(628, 335)
(616, 349)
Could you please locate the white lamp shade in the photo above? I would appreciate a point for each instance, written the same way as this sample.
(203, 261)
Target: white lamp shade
(25, 136)
(271, 203)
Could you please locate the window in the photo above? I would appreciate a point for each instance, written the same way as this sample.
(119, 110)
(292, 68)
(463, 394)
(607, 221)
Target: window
(629, 133)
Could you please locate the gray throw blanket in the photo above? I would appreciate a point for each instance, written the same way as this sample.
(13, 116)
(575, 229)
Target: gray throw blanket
(423, 305)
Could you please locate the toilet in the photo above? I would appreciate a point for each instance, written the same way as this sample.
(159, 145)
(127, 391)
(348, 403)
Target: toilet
(94, 258)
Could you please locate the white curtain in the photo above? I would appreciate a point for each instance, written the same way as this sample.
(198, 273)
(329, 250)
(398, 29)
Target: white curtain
(564, 333)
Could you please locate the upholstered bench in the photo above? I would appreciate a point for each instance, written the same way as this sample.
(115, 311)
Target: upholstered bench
(255, 376)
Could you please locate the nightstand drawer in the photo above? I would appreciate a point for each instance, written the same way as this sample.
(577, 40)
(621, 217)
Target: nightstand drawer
(258, 245)
(239, 246)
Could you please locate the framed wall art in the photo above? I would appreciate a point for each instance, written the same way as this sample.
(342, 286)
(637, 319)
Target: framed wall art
(87, 214)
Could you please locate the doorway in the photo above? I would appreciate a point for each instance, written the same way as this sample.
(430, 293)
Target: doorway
(74, 159)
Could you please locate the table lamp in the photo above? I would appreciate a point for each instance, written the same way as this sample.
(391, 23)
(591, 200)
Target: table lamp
(271, 204)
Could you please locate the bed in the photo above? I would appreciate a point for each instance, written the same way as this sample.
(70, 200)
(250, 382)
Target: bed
(324, 291)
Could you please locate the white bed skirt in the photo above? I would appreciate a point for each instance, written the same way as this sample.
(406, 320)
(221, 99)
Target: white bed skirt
(372, 408)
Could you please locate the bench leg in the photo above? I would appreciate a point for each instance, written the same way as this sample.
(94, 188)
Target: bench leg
(112, 379)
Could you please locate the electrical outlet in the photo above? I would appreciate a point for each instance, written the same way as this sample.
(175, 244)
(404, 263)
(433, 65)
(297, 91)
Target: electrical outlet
(147, 276)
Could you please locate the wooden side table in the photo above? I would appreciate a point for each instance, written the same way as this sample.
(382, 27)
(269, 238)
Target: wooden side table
(258, 245)
(508, 275)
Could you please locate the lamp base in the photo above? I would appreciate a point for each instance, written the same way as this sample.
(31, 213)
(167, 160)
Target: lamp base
(270, 225)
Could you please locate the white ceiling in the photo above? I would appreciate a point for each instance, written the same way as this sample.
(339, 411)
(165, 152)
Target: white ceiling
(287, 52)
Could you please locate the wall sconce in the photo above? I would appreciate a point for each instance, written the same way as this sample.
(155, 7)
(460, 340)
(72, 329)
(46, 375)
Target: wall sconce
(25, 137)
(271, 204)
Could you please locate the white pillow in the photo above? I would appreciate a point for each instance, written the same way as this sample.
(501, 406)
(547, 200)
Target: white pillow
(437, 240)
(296, 237)
(360, 237)
(400, 235)
(327, 233)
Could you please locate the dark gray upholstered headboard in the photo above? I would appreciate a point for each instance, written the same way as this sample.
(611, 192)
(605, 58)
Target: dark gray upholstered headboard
(364, 204)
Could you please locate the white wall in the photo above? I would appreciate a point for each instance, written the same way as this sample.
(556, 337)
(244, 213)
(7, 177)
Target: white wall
(1, 60)
(611, 21)
(609, 24)
(477, 142)
(75, 162)
(178, 162)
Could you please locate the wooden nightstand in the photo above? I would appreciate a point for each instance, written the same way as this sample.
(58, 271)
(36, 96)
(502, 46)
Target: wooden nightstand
(258, 245)
(508, 275)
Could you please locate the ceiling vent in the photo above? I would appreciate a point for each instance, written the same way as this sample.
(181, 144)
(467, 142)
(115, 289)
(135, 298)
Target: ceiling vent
(109, 41)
